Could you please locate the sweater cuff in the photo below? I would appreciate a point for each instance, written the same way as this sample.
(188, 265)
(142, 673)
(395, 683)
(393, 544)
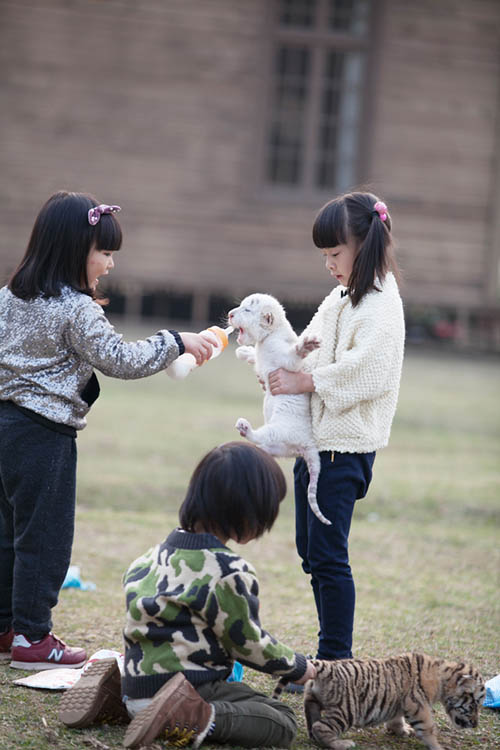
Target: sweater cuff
(300, 668)
(179, 342)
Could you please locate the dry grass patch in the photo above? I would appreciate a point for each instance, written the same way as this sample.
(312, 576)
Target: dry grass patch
(424, 543)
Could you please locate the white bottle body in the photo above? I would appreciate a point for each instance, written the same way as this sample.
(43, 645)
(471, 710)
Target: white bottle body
(186, 363)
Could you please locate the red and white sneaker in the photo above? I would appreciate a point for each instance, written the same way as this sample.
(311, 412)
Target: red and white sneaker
(49, 653)
(6, 645)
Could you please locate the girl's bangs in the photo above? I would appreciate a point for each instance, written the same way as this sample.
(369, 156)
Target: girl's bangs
(108, 233)
(330, 226)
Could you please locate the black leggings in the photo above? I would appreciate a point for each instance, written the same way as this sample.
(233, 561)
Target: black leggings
(37, 513)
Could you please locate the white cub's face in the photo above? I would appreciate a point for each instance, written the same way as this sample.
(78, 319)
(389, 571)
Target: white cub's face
(257, 315)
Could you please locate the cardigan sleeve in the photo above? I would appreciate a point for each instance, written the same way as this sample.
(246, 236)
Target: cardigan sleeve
(364, 371)
(238, 628)
(95, 340)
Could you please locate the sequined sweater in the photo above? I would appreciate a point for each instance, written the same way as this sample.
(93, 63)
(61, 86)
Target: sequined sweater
(357, 369)
(49, 348)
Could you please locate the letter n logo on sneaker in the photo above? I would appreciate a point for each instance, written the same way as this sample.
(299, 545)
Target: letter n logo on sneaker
(56, 654)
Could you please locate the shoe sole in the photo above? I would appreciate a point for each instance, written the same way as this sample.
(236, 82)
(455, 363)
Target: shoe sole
(141, 731)
(96, 696)
(38, 666)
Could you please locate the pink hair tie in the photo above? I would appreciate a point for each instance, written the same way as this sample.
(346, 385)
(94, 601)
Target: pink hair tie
(95, 213)
(381, 209)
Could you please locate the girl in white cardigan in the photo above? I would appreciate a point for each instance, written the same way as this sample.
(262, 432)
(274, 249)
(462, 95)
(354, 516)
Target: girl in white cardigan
(354, 380)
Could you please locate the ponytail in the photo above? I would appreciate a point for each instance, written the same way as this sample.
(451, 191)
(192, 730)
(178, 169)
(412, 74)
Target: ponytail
(372, 259)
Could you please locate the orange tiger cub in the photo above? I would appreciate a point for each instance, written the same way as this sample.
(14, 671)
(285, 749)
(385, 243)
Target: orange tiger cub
(360, 693)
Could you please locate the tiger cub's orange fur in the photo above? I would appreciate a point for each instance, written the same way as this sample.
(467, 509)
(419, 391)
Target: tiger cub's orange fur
(359, 693)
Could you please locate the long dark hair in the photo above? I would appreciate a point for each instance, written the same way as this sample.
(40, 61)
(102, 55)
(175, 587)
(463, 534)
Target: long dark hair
(59, 246)
(235, 491)
(353, 217)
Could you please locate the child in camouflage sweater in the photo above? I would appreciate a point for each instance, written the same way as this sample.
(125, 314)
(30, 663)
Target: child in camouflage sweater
(192, 610)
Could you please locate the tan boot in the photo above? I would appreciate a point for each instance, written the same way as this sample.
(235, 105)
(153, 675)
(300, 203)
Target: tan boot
(95, 698)
(177, 715)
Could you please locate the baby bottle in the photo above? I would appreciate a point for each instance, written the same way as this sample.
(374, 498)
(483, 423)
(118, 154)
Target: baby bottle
(183, 365)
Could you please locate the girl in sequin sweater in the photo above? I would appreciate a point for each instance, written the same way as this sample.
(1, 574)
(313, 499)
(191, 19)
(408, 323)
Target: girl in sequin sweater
(354, 381)
(53, 334)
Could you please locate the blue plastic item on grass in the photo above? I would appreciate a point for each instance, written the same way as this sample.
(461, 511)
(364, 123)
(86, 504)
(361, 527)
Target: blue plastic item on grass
(73, 580)
(492, 699)
(237, 673)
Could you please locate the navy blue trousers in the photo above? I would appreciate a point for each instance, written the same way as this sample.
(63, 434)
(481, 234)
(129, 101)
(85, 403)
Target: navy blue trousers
(324, 550)
(37, 510)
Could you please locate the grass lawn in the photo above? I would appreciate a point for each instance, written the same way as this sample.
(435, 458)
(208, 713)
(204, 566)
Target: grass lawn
(425, 543)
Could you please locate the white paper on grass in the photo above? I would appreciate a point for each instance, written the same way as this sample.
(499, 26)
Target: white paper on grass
(64, 678)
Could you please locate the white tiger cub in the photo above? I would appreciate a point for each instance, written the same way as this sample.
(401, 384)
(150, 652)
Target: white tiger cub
(268, 341)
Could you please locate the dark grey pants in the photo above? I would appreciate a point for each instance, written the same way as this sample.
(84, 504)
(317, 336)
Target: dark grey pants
(247, 718)
(37, 511)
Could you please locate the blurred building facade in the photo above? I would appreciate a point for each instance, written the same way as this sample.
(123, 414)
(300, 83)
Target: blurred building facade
(222, 126)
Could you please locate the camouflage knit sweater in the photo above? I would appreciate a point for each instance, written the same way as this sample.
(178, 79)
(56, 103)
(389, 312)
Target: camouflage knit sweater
(193, 607)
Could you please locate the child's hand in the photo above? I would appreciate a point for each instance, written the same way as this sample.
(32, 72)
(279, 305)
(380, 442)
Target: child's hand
(283, 381)
(200, 345)
(309, 674)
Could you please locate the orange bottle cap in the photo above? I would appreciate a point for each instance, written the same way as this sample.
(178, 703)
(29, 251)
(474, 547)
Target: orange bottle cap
(221, 335)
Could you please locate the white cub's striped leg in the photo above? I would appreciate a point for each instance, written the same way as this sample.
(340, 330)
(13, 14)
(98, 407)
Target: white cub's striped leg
(313, 462)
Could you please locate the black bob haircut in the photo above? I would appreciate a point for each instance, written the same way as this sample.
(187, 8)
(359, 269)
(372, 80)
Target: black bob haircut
(235, 492)
(60, 243)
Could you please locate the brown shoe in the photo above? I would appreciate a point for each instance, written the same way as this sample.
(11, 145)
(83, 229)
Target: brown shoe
(95, 698)
(177, 715)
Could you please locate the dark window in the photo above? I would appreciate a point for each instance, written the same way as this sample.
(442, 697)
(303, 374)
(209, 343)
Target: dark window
(298, 13)
(317, 93)
(170, 305)
(218, 309)
(116, 302)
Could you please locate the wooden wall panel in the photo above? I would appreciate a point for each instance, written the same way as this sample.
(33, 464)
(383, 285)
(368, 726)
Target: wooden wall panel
(158, 105)
(435, 142)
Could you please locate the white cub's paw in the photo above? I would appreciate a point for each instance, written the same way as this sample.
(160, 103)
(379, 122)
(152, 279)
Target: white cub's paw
(307, 345)
(243, 426)
(246, 353)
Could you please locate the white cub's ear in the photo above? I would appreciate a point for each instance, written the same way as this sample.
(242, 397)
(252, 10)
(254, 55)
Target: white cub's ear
(267, 318)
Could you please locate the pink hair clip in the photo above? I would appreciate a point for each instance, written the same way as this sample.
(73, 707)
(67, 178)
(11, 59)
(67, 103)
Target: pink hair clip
(95, 213)
(381, 209)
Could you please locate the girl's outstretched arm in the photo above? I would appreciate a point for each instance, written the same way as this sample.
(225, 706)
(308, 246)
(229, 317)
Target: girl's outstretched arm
(94, 339)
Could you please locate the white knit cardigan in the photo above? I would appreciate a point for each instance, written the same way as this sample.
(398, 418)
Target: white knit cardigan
(357, 369)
